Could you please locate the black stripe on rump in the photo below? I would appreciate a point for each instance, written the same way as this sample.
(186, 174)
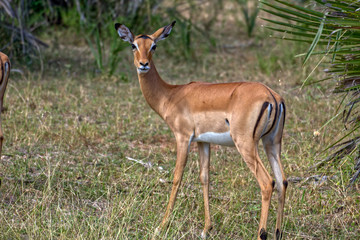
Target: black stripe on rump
(276, 111)
(6, 73)
(283, 104)
(264, 106)
(2, 71)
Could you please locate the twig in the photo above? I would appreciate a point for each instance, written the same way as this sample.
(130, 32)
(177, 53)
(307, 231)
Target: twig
(354, 177)
(8, 9)
(147, 164)
(317, 179)
(346, 148)
(78, 8)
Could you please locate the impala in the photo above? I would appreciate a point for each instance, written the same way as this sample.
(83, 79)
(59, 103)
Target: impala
(231, 114)
(4, 77)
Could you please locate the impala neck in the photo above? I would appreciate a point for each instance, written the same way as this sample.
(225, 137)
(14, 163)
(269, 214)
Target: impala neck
(154, 89)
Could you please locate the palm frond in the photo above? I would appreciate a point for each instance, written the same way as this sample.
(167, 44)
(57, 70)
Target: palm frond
(332, 29)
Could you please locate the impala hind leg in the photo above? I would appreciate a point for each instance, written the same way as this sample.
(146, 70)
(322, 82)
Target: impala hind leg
(204, 155)
(273, 152)
(272, 145)
(181, 159)
(249, 152)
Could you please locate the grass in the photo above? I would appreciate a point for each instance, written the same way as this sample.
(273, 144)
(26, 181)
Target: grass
(66, 174)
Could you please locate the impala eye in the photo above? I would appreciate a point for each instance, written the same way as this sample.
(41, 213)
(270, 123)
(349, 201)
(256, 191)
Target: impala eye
(133, 46)
(153, 48)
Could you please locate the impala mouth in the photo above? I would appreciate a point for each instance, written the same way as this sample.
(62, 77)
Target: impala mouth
(143, 69)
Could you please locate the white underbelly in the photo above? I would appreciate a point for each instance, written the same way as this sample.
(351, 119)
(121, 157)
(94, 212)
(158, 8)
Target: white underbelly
(215, 138)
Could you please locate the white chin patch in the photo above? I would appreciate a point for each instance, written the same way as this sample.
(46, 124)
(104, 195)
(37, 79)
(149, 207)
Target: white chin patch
(143, 70)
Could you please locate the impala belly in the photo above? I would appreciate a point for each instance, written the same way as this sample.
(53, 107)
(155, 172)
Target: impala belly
(216, 138)
(212, 127)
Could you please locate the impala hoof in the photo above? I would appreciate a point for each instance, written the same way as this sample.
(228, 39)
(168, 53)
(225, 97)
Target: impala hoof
(278, 234)
(263, 234)
(156, 233)
(203, 234)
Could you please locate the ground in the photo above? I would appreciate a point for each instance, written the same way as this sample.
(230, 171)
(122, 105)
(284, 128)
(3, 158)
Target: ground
(75, 141)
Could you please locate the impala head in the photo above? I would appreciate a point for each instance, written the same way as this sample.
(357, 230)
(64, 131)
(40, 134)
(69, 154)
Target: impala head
(143, 45)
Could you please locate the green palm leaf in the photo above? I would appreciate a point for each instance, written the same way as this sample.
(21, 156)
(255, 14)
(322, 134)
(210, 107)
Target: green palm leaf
(334, 27)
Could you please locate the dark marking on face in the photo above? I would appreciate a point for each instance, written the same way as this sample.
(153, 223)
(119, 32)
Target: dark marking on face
(144, 37)
(263, 234)
(278, 234)
(285, 183)
(263, 108)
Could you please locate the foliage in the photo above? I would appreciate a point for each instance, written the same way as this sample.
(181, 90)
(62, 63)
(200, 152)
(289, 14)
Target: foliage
(93, 21)
(250, 14)
(96, 22)
(332, 26)
(18, 21)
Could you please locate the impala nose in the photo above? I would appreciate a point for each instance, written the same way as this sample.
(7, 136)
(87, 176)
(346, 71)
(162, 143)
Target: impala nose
(144, 64)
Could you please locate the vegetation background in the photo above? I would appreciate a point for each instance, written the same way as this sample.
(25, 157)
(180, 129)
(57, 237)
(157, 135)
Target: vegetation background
(85, 157)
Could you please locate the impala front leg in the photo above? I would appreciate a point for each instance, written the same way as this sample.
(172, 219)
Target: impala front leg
(181, 159)
(204, 154)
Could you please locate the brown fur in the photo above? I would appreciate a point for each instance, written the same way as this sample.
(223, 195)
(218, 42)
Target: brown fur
(4, 77)
(196, 108)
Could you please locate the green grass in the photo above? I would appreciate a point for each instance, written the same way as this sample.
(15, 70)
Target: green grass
(65, 172)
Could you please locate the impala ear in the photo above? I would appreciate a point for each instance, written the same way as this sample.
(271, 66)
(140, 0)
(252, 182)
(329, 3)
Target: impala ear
(124, 33)
(163, 32)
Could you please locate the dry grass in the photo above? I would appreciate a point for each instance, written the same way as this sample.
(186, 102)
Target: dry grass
(65, 172)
